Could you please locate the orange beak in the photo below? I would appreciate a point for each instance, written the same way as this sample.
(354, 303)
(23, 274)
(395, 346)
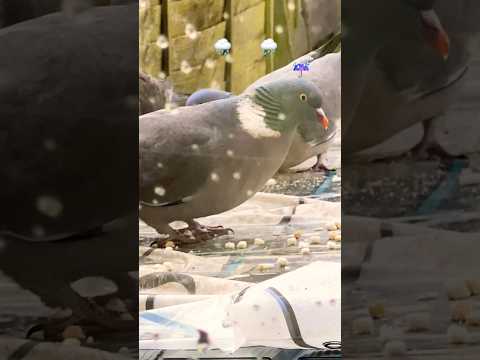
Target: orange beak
(322, 118)
(435, 33)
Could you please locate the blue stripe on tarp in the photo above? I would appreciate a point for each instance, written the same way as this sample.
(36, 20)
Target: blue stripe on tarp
(444, 190)
(232, 265)
(326, 183)
(165, 321)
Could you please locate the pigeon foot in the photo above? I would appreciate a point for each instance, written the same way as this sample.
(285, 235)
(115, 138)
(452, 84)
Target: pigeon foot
(203, 232)
(194, 233)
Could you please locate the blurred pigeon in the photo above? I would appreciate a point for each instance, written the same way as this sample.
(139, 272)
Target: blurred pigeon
(395, 22)
(201, 160)
(68, 148)
(12, 12)
(412, 83)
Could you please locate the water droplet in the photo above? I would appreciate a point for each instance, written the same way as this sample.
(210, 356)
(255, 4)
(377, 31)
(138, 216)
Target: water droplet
(230, 153)
(231, 136)
(50, 144)
(229, 58)
(281, 116)
(226, 15)
(190, 31)
(271, 182)
(160, 165)
(210, 63)
(236, 175)
(185, 67)
(291, 5)
(215, 85)
(195, 147)
(162, 75)
(214, 177)
(160, 191)
(154, 201)
(49, 205)
(279, 29)
(170, 106)
(162, 42)
(38, 231)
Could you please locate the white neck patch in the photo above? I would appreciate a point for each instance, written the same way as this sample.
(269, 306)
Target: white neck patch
(252, 119)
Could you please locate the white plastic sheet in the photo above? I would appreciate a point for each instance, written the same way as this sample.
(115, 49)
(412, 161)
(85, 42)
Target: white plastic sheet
(297, 309)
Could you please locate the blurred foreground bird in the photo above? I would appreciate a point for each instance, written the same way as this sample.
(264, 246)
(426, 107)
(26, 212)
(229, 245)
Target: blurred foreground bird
(398, 30)
(68, 148)
(325, 74)
(416, 81)
(201, 160)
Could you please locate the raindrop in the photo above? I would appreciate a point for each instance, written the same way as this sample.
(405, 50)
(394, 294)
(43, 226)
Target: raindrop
(210, 63)
(162, 42)
(38, 231)
(49, 206)
(291, 5)
(154, 201)
(190, 31)
(271, 182)
(226, 15)
(195, 147)
(160, 165)
(49, 144)
(281, 116)
(236, 175)
(229, 58)
(230, 153)
(160, 191)
(215, 85)
(185, 67)
(231, 136)
(170, 106)
(162, 75)
(214, 177)
(279, 29)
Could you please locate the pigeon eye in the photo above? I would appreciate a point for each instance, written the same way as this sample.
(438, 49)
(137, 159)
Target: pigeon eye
(303, 97)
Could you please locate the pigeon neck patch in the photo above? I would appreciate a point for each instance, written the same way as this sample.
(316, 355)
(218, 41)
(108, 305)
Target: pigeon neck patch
(260, 115)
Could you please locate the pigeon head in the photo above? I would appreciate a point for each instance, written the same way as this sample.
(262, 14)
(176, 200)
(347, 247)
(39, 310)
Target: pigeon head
(283, 106)
(370, 24)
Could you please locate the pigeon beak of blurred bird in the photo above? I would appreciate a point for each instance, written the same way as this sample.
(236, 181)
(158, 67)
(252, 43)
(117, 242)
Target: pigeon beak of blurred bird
(322, 118)
(435, 33)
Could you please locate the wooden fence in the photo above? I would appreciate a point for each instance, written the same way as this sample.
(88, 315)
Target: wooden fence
(177, 40)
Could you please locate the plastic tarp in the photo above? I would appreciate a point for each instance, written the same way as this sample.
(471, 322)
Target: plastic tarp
(300, 308)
